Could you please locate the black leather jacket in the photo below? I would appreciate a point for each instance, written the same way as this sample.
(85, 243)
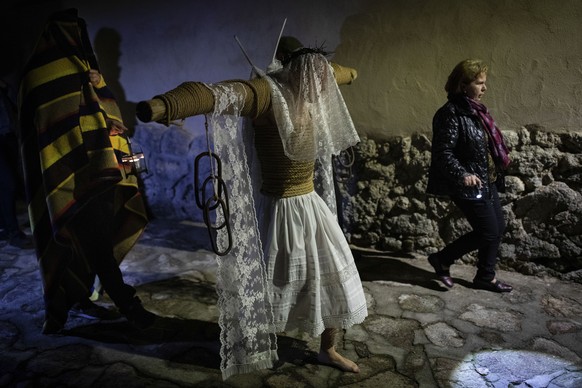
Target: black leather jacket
(459, 148)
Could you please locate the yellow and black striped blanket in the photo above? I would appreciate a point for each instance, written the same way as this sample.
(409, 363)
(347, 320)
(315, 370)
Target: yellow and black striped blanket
(69, 157)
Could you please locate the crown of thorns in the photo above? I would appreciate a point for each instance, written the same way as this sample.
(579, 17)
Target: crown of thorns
(303, 51)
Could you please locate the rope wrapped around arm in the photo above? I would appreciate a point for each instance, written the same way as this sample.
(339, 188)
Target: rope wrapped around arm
(195, 98)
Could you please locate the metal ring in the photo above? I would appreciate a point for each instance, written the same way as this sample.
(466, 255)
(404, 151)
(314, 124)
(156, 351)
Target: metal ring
(211, 228)
(225, 211)
(351, 157)
(200, 202)
(212, 203)
(340, 160)
(212, 179)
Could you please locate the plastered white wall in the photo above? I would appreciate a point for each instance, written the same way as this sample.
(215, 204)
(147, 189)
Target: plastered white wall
(403, 51)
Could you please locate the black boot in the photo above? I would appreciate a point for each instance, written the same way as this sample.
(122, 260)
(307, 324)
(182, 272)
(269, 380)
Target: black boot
(87, 309)
(55, 315)
(137, 315)
(53, 323)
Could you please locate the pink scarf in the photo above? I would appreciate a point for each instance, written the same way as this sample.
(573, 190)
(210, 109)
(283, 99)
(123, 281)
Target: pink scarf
(497, 145)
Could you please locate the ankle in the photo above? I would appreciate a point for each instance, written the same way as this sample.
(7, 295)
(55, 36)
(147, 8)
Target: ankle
(138, 316)
(437, 263)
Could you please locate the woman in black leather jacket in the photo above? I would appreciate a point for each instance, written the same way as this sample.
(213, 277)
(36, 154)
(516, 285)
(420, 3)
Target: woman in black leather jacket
(468, 161)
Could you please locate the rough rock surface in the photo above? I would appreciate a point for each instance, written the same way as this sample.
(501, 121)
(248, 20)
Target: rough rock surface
(418, 334)
(384, 205)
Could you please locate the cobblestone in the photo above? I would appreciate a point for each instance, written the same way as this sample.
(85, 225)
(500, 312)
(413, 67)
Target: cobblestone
(418, 334)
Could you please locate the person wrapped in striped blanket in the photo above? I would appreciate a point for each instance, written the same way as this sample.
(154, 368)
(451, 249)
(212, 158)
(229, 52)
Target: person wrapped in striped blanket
(85, 213)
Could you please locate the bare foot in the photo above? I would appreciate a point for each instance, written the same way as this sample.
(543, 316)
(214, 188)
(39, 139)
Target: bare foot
(333, 358)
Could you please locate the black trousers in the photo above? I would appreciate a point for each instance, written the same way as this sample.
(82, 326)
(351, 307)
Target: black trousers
(486, 218)
(92, 241)
(9, 183)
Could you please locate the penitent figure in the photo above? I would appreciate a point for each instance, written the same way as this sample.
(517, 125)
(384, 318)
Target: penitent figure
(85, 214)
(310, 281)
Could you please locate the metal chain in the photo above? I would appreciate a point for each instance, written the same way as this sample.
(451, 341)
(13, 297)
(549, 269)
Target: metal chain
(345, 159)
(218, 199)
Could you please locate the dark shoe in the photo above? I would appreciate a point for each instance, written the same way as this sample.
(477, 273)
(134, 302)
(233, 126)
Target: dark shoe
(51, 326)
(138, 316)
(88, 309)
(495, 286)
(21, 240)
(441, 273)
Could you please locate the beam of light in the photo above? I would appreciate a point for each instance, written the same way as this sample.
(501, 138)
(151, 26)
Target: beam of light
(516, 368)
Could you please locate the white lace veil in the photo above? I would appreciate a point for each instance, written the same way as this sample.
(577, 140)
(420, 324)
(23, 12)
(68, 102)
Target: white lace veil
(310, 112)
(313, 120)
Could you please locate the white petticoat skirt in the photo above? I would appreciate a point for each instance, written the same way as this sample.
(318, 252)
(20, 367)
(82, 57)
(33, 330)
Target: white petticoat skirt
(313, 278)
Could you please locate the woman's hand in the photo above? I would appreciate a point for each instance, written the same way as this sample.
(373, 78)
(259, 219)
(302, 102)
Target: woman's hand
(94, 77)
(472, 180)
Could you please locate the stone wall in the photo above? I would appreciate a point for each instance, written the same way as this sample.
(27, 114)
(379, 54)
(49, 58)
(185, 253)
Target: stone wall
(169, 183)
(385, 205)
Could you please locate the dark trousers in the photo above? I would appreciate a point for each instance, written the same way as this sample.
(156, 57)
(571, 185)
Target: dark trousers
(486, 219)
(93, 236)
(8, 183)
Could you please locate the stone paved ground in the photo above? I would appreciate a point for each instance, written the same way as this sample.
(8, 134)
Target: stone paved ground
(418, 333)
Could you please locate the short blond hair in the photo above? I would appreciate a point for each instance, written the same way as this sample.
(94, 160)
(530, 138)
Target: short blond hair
(464, 73)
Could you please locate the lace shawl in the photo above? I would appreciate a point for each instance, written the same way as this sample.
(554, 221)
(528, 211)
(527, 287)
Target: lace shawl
(247, 337)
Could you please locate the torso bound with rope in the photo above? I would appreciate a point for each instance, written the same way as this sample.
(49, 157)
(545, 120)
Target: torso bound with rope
(290, 266)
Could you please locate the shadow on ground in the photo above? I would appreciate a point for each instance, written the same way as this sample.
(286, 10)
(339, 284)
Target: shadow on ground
(186, 341)
(388, 266)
